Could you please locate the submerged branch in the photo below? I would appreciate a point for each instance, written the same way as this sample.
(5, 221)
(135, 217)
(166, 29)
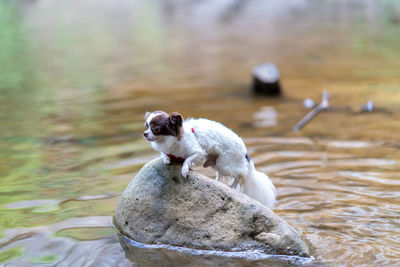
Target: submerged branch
(323, 106)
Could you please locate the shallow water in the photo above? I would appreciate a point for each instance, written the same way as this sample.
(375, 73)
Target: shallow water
(77, 76)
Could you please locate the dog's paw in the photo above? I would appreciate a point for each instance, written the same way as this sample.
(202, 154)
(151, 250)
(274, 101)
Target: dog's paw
(185, 171)
(166, 160)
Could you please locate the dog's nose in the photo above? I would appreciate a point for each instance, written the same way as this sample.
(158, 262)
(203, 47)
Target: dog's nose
(145, 134)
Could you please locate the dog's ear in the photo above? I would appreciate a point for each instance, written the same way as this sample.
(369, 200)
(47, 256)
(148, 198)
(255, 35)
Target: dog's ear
(147, 115)
(176, 119)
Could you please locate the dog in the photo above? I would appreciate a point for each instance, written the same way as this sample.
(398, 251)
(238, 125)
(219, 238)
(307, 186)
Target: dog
(196, 142)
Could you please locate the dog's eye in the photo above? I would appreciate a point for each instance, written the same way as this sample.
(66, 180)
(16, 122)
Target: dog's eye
(156, 129)
(146, 125)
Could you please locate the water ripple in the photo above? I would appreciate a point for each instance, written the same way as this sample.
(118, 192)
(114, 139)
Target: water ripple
(371, 177)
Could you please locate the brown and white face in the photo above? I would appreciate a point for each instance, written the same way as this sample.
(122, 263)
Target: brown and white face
(159, 124)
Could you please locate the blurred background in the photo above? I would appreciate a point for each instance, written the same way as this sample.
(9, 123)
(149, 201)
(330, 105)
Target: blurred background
(77, 76)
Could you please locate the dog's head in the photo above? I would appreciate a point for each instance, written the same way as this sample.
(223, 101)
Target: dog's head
(159, 124)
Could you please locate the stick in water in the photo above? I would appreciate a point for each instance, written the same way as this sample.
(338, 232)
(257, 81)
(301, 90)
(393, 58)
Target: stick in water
(323, 106)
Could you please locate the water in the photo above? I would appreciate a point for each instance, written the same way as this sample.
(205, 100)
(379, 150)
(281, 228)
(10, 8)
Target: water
(76, 78)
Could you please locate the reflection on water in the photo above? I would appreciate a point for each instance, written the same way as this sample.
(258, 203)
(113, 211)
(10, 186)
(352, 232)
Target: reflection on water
(77, 76)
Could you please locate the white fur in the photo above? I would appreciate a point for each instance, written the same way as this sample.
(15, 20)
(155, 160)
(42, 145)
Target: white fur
(212, 138)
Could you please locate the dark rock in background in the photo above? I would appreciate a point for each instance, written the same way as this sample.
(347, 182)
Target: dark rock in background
(266, 80)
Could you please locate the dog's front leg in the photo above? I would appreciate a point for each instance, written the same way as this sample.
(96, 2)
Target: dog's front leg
(194, 160)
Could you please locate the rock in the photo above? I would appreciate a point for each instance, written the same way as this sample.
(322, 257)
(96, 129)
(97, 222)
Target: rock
(159, 206)
(266, 80)
(308, 103)
(368, 107)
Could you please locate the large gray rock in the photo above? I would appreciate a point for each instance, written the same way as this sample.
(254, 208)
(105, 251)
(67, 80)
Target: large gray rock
(159, 206)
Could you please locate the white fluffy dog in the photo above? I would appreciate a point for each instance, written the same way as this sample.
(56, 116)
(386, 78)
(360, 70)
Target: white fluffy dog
(196, 142)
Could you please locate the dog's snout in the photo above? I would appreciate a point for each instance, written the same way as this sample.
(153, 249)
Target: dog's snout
(146, 134)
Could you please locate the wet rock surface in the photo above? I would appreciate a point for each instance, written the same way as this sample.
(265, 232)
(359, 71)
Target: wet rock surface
(159, 206)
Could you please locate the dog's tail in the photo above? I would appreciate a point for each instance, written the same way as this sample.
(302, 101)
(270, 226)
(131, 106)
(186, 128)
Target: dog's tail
(257, 185)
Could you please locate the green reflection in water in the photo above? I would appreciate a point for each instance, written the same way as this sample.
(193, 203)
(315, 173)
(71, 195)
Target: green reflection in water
(29, 108)
(86, 233)
(381, 35)
(10, 254)
(44, 259)
(13, 49)
(21, 175)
